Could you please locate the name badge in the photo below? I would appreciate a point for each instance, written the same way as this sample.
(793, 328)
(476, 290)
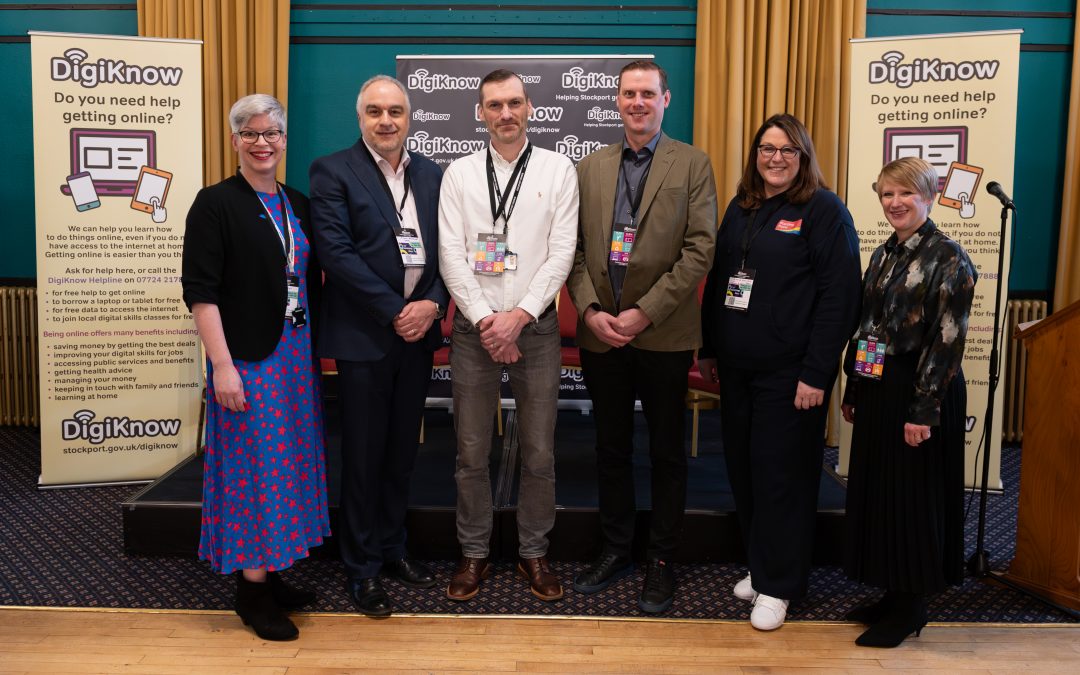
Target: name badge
(411, 247)
(870, 355)
(511, 261)
(622, 243)
(292, 287)
(739, 287)
(490, 256)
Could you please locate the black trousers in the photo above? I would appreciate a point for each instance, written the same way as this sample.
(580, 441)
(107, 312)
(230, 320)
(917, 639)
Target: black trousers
(774, 453)
(615, 380)
(382, 405)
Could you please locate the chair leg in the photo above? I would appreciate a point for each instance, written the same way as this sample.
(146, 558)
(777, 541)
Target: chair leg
(694, 429)
(498, 415)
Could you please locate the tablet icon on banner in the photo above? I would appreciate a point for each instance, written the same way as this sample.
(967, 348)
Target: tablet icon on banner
(959, 190)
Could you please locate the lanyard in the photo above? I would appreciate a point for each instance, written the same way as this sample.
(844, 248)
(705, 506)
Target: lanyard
(748, 238)
(390, 193)
(287, 240)
(494, 192)
(635, 200)
(894, 275)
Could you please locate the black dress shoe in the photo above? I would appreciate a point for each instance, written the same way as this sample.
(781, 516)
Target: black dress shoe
(659, 589)
(906, 615)
(409, 572)
(369, 597)
(603, 572)
(256, 607)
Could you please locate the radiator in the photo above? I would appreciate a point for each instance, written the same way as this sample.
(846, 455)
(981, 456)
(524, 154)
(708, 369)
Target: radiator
(18, 357)
(1017, 312)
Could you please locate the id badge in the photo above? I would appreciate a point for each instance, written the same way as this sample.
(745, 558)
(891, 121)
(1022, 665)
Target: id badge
(870, 355)
(622, 243)
(511, 261)
(739, 287)
(411, 247)
(292, 285)
(490, 255)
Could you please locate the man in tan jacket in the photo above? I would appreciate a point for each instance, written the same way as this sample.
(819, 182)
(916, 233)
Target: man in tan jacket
(647, 229)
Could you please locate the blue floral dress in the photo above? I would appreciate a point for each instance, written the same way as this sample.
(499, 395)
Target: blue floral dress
(264, 475)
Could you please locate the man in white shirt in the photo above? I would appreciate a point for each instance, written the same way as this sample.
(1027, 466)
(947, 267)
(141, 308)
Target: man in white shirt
(507, 232)
(374, 211)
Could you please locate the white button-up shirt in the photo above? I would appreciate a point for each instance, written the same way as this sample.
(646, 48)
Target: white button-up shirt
(542, 231)
(409, 219)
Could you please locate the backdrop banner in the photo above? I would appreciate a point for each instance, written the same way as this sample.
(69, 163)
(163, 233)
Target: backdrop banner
(117, 162)
(951, 100)
(573, 101)
(574, 113)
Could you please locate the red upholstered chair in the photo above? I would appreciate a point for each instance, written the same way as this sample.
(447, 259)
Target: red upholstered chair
(442, 354)
(702, 395)
(568, 318)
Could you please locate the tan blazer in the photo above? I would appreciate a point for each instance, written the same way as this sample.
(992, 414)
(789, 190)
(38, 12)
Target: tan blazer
(673, 252)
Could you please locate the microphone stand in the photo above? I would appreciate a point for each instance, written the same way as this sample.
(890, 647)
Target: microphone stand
(979, 562)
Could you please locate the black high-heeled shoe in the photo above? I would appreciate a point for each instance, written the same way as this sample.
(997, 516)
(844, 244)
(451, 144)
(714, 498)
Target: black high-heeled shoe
(906, 615)
(870, 613)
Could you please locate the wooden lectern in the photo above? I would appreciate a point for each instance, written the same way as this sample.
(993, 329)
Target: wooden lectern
(1047, 559)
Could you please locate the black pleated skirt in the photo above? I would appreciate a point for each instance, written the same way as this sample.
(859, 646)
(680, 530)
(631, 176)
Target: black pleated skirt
(904, 504)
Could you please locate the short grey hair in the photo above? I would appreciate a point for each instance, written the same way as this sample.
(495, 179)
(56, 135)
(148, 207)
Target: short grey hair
(256, 104)
(381, 78)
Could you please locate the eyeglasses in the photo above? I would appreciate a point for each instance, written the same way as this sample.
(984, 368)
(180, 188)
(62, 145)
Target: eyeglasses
(270, 135)
(787, 152)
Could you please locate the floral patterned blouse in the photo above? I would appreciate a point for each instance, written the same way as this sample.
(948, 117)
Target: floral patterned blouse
(919, 293)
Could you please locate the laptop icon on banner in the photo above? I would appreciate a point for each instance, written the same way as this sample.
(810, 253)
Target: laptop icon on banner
(112, 157)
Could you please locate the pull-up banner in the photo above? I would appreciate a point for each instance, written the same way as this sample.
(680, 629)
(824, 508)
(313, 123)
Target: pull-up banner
(117, 162)
(951, 100)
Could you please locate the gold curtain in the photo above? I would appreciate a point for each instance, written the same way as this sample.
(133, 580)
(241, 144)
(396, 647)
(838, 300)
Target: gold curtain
(245, 51)
(756, 58)
(1067, 280)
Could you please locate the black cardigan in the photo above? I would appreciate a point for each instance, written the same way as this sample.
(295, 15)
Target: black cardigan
(233, 259)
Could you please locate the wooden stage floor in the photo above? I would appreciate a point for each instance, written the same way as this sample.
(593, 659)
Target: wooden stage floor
(91, 641)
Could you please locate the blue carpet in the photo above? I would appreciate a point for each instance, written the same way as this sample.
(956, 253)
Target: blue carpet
(64, 548)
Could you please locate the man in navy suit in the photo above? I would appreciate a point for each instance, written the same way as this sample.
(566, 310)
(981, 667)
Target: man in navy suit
(374, 209)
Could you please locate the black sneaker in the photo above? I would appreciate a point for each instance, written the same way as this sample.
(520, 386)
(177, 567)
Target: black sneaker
(659, 589)
(604, 571)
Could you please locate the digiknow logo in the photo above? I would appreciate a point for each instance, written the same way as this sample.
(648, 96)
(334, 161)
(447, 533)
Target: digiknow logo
(426, 81)
(82, 426)
(577, 149)
(578, 79)
(552, 113)
(903, 75)
(74, 66)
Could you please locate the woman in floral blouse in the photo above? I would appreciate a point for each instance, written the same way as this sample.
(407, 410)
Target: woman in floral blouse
(906, 397)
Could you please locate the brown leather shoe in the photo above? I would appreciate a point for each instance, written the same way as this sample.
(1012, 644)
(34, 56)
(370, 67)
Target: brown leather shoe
(542, 582)
(465, 583)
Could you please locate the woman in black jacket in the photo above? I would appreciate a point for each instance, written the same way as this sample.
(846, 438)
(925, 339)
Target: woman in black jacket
(779, 304)
(907, 399)
(252, 282)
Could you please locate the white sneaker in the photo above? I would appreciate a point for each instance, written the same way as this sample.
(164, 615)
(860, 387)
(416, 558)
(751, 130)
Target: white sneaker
(744, 590)
(768, 612)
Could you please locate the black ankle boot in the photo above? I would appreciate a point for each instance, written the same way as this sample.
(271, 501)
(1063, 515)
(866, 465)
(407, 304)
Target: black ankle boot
(870, 613)
(905, 615)
(255, 605)
(288, 597)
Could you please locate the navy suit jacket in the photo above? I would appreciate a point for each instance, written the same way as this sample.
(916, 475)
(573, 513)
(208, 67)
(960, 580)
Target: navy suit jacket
(354, 222)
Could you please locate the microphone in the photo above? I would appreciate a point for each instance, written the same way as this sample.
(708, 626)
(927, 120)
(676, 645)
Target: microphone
(994, 188)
